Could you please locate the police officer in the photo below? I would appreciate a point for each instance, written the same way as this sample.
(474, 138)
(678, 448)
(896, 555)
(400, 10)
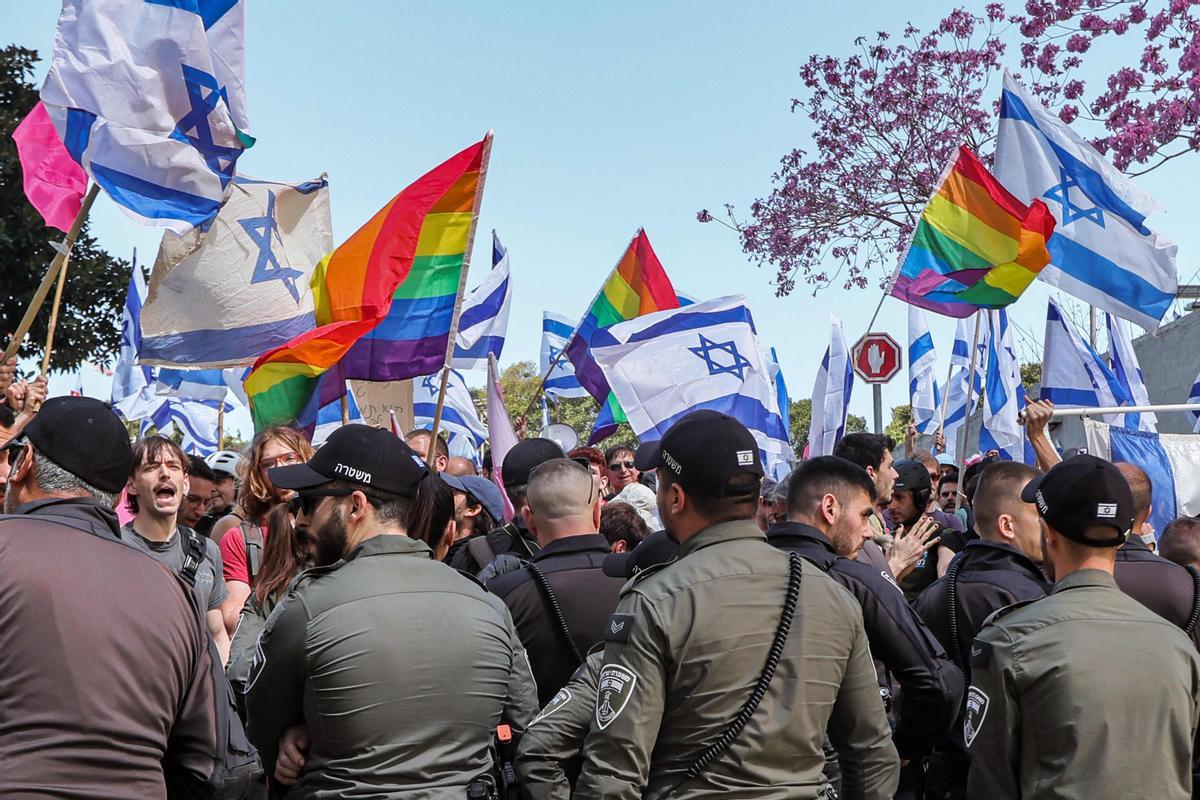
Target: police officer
(1167, 589)
(1000, 568)
(399, 667)
(829, 509)
(561, 599)
(1085, 693)
(549, 754)
(480, 550)
(733, 624)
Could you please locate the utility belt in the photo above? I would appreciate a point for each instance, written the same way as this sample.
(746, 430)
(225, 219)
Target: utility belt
(946, 775)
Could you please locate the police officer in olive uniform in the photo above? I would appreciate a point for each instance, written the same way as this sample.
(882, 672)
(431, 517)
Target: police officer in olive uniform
(400, 668)
(723, 670)
(1000, 568)
(1086, 693)
(549, 754)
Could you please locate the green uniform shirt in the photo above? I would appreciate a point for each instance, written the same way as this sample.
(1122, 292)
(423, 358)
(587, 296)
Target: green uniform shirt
(683, 653)
(400, 666)
(1083, 694)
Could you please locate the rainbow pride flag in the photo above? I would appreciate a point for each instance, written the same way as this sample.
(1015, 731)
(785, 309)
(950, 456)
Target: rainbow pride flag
(976, 245)
(383, 300)
(638, 285)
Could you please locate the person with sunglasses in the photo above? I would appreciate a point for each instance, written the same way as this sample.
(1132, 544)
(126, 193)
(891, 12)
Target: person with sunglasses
(561, 599)
(243, 534)
(621, 470)
(108, 686)
(384, 672)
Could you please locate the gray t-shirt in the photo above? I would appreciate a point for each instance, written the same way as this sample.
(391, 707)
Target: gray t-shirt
(210, 583)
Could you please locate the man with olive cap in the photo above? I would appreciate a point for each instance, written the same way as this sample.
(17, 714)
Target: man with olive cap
(1085, 693)
(107, 680)
(383, 672)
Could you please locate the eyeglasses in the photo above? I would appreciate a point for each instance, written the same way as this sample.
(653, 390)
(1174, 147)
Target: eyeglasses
(310, 498)
(619, 465)
(14, 450)
(281, 460)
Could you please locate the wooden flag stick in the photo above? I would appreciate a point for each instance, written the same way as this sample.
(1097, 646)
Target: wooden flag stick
(458, 300)
(345, 410)
(53, 323)
(221, 426)
(39, 297)
(966, 431)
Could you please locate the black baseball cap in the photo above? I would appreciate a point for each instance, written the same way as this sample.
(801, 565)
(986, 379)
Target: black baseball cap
(371, 457)
(657, 548)
(83, 436)
(704, 451)
(1080, 493)
(525, 456)
(911, 476)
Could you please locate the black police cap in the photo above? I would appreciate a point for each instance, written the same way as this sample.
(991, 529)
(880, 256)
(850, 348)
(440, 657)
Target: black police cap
(361, 454)
(83, 436)
(1080, 493)
(657, 548)
(704, 452)
(525, 456)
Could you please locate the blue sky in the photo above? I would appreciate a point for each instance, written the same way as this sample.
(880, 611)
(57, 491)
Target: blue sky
(608, 116)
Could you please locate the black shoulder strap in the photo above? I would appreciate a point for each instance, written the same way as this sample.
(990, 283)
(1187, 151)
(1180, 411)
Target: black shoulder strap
(556, 614)
(252, 537)
(193, 553)
(1194, 617)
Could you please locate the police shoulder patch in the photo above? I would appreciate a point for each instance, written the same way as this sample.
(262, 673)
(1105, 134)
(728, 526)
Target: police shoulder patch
(558, 701)
(981, 653)
(977, 708)
(618, 628)
(613, 690)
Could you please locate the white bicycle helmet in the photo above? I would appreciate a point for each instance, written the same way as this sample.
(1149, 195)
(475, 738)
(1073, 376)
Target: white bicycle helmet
(224, 461)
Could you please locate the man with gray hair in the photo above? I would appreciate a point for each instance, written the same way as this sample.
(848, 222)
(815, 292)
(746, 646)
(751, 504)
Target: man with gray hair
(560, 600)
(107, 680)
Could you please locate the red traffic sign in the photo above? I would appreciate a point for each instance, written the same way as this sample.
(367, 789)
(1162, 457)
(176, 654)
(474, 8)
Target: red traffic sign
(877, 358)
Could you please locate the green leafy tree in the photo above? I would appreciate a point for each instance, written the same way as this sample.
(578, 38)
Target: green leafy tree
(1031, 373)
(89, 318)
(901, 416)
(800, 416)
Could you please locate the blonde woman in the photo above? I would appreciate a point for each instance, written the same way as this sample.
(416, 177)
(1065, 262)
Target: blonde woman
(243, 533)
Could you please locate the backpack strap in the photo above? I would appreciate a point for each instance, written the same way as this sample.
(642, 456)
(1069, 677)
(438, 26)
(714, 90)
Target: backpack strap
(1194, 617)
(481, 550)
(252, 539)
(193, 553)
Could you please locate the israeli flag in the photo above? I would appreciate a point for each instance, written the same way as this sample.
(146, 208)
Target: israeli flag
(201, 384)
(1003, 394)
(149, 97)
(196, 421)
(1101, 251)
(1129, 374)
(556, 332)
(484, 320)
(133, 390)
(1194, 397)
(666, 365)
(1073, 374)
(831, 395)
(960, 361)
(924, 395)
(329, 418)
(458, 411)
(1170, 460)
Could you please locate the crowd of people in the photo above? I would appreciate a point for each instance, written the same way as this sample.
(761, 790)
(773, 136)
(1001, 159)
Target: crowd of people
(378, 618)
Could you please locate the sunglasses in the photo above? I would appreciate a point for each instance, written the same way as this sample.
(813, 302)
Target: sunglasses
(583, 464)
(309, 499)
(14, 450)
(619, 465)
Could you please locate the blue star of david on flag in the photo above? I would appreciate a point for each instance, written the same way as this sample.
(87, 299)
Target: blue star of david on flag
(431, 384)
(705, 353)
(1061, 193)
(204, 95)
(261, 230)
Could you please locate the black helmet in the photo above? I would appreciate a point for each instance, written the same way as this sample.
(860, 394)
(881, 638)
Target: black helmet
(912, 476)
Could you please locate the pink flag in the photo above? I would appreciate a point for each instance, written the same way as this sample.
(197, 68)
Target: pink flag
(501, 436)
(54, 182)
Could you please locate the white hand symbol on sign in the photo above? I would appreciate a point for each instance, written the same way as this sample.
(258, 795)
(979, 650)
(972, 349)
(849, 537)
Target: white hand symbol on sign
(875, 359)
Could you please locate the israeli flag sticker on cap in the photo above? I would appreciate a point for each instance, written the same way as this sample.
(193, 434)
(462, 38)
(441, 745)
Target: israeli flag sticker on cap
(1106, 511)
(745, 458)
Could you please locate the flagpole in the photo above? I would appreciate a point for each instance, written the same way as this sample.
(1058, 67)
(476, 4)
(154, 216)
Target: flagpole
(56, 266)
(54, 306)
(221, 425)
(962, 450)
(946, 398)
(554, 362)
(484, 158)
(345, 410)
